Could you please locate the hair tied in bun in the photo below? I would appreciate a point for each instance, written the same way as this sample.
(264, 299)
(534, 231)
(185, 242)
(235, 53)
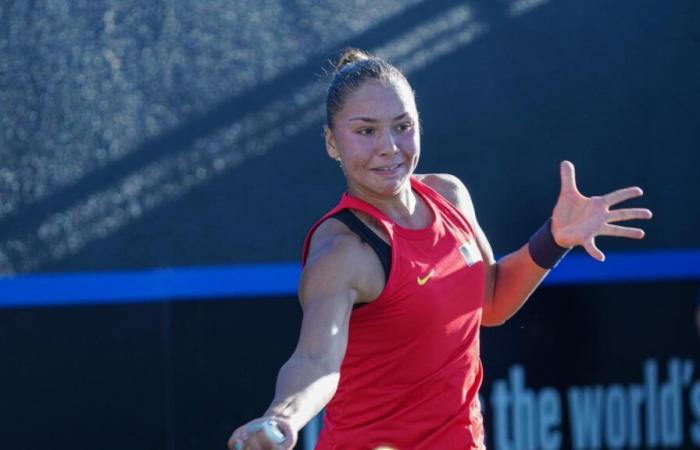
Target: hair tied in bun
(349, 56)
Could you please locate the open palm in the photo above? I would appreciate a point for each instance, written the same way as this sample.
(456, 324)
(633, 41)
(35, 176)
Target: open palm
(578, 220)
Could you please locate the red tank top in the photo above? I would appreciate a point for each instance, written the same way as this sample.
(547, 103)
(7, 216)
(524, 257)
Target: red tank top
(411, 373)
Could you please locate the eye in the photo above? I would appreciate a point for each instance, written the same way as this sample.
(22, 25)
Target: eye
(366, 131)
(405, 126)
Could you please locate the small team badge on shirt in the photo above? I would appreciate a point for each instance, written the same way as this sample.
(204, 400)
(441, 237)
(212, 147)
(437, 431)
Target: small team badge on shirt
(470, 252)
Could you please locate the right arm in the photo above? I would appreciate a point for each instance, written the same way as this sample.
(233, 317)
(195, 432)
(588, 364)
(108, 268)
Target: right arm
(309, 379)
(330, 285)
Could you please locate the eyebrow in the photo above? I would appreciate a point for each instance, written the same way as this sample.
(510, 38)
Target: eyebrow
(370, 119)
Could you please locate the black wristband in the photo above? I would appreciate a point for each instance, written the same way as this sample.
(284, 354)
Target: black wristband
(544, 250)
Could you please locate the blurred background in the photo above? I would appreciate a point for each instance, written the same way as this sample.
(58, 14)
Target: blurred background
(161, 162)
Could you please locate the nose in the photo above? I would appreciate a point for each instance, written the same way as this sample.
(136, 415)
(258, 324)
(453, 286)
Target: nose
(389, 145)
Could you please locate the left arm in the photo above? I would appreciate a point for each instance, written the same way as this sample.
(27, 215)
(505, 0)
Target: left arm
(576, 220)
(509, 281)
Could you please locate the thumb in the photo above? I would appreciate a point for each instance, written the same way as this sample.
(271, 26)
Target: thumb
(593, 250)
(567, 173)
(281, 433)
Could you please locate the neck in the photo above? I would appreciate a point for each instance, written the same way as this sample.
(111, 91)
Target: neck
(404, 207)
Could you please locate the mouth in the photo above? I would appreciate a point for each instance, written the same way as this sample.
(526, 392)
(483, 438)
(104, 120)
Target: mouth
(388, 169)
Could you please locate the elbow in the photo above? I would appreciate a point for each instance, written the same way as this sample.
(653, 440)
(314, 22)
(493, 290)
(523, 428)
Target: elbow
(493, 322)
(493, 318)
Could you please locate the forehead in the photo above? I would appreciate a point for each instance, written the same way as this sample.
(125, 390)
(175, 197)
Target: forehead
(379, 100)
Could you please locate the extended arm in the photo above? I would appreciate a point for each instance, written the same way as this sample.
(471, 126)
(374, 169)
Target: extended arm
(308, 380)
(576, 220)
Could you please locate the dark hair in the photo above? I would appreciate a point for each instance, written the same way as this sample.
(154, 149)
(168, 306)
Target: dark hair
(353, 68)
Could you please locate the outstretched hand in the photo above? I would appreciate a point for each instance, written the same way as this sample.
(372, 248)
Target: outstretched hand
(578, 220)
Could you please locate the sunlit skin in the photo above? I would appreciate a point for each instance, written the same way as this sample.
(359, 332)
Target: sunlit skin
(376, 138)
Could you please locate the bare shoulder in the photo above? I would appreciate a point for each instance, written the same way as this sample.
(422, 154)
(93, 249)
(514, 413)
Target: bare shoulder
(452, 188)
(331, 236)
(446, 184)
(338, 264)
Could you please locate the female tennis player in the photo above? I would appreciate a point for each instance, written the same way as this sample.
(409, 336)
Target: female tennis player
(399, 277)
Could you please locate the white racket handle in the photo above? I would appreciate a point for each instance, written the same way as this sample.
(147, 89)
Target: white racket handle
(273, 432)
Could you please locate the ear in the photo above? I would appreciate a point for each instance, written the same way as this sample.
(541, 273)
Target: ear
(330, 143)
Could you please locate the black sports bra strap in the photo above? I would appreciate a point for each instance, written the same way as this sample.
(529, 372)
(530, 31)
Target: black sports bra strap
(381, 248)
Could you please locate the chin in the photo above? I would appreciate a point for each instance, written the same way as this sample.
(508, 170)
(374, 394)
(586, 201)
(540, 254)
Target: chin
(393, 187)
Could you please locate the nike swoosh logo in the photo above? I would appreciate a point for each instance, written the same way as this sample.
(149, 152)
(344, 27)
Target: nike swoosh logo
(422, 281)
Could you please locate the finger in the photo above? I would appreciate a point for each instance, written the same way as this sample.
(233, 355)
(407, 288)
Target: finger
(259, 441)
(236, 437)
(593, 250)
(568, 177)
(621, 195)
(618, 215)
(618, 231)
(253, 443)
(253, 427)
